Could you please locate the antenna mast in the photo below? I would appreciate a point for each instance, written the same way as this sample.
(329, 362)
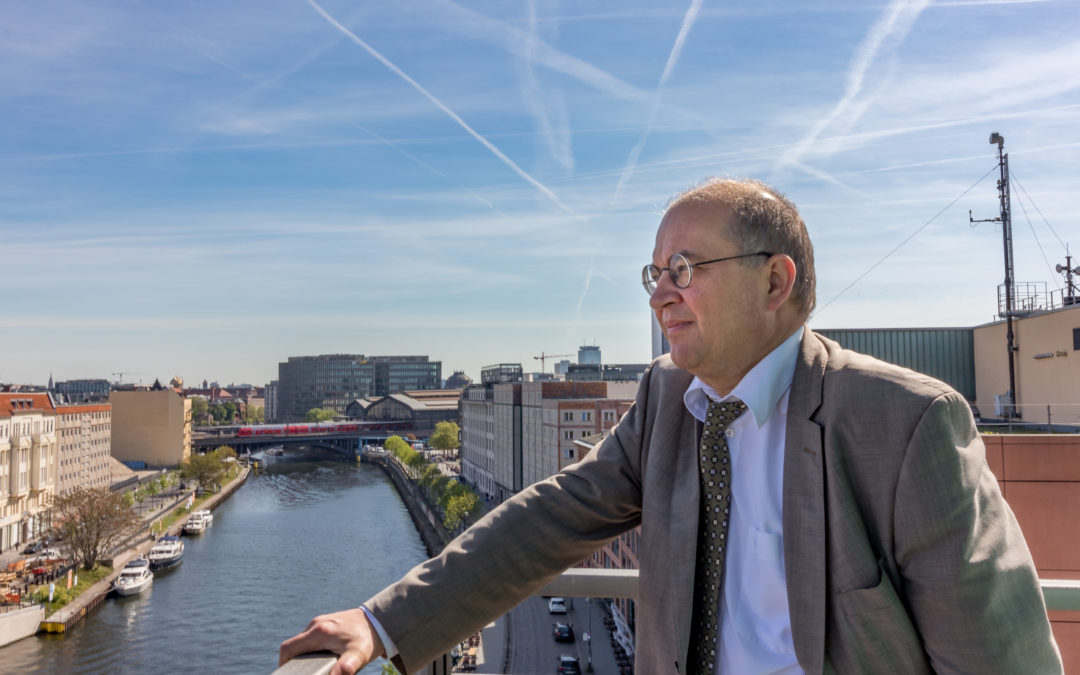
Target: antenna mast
(1006, 233)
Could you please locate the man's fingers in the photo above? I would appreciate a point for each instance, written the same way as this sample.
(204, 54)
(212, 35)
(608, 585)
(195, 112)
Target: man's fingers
(349, 663)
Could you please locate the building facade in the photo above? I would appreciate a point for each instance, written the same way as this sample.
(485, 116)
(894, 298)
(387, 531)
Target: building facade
(28, 465)
(150, 426)
(270, 414)
(333, 381)
(478, 439)
(74, 391)
(84, 444)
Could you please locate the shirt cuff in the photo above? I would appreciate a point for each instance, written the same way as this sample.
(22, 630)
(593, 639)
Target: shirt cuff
(387, 643)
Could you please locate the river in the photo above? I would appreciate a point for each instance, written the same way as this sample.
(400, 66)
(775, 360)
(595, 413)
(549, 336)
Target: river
(303, 536)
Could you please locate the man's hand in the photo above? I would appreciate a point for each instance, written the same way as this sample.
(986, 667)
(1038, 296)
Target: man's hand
(348, 634)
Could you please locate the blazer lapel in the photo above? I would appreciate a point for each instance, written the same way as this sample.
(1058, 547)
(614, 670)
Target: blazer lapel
(681, 575)
(804, 507)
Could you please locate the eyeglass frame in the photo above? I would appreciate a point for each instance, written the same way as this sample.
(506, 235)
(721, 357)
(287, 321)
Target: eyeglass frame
(649, 283)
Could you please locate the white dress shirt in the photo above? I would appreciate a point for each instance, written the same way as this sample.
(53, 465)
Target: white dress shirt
(755, 624)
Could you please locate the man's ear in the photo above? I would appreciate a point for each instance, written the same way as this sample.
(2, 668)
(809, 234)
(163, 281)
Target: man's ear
(782, 275)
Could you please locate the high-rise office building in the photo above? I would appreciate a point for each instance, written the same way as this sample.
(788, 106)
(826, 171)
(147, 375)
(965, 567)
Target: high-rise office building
(333, 381)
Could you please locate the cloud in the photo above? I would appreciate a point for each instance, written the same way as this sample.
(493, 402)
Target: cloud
(673, 57)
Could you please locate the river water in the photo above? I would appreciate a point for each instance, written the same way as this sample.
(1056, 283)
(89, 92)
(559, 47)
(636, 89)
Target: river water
(302, 537)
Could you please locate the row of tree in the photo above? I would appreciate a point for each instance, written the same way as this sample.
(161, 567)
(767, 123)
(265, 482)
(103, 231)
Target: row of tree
(458, 503)
(204, 414)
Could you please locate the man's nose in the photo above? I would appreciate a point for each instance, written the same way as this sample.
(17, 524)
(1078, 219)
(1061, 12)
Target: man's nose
(665, 293)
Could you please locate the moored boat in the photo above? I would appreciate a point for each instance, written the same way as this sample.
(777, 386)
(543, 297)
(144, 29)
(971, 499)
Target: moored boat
(195, 524)
(206, 514)
(168, 551)
(136, 577)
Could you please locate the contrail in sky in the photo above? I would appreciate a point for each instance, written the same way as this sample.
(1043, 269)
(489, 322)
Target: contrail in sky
(454, 116)
(893, 25)
(676, 50)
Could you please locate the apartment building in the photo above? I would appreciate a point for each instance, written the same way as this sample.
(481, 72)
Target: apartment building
(514, 434)
(84, 444)
(152, 426)
(28, 465)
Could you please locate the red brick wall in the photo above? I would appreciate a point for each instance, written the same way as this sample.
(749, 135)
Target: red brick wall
(1040, 478)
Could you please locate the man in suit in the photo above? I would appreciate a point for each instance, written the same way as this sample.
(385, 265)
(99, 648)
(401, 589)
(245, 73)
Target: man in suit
(865, 532)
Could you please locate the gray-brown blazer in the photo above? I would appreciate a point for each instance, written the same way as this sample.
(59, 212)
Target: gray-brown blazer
(900, 554)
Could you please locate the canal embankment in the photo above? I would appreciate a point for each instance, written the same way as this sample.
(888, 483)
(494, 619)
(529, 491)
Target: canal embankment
(76, 610)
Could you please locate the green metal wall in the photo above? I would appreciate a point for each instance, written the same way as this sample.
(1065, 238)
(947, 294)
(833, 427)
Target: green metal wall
(947, 354)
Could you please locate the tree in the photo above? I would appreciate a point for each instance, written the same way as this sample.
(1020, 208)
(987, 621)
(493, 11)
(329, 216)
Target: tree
(200, 411)
(459, 508)
(445, 436)
(207, 470)
(92, 522)
(253, 414)
(320, 415)
(396, 446)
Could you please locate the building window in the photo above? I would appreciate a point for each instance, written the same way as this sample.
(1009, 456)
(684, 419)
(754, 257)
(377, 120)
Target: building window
(569, 453)
(609, 415)
(1076, 338)
(568, 417)
(568, 435)
(586, 416)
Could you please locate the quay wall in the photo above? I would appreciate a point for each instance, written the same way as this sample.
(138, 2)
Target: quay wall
(432, 532)
(18, 623)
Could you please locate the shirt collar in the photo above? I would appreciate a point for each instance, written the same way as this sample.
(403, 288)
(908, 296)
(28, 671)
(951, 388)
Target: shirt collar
(760, 389)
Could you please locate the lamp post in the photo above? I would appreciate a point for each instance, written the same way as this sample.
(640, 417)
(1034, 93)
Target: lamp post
(588, 637)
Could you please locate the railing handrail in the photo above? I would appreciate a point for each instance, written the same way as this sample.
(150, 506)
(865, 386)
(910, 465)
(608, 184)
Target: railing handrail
(581, 582)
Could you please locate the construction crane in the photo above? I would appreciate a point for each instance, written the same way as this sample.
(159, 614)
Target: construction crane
(125, 372)
(543, 357)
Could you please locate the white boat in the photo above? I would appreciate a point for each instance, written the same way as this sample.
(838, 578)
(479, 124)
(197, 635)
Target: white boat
(195, 524)
(168, 551)
(206, 514)
(136, 577)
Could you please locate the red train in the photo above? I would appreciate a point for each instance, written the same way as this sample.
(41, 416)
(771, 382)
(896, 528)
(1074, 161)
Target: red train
(318, 428)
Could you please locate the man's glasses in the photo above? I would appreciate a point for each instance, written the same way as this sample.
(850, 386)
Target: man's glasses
(681, 270)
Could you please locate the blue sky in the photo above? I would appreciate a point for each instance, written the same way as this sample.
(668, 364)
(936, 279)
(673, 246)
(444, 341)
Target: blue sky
(205, 188)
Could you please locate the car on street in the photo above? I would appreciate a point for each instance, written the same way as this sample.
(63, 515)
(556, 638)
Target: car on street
(568, 665)
(563, 632)
(557, 606)
(33, 548)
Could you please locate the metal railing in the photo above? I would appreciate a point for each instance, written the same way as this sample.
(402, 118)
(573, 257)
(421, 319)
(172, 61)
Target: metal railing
(1060, 595)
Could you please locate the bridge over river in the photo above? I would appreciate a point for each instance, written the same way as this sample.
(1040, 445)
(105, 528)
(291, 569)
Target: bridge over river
(345, 438)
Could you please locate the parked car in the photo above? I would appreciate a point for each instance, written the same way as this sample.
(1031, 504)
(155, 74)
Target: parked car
(568, 665)
(33, 548)
(557, 606)
(563, 632)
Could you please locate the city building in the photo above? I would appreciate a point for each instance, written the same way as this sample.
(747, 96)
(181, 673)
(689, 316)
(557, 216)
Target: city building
(75, 391)
(514, 434)
(28, 465)
(270, 411)
(459, 380)
(422, 410)
(84, 443)
(589, 354)
(151, 426)
(333, 381)
(500, 373)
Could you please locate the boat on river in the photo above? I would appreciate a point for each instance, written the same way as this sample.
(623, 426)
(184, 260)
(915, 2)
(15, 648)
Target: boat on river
(195, 524)
(206, 514)
(135, 578)
(168, 551)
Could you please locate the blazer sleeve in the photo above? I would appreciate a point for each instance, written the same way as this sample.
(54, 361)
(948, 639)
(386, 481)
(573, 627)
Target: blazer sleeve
(518, 547)
(968, 576)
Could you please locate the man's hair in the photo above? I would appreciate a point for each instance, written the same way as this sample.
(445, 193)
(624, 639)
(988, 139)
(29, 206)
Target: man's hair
(762, 219)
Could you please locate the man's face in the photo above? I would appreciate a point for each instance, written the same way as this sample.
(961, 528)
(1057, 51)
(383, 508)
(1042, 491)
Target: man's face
(718, 324)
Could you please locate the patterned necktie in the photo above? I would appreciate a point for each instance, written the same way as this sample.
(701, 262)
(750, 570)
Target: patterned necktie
(715, 464)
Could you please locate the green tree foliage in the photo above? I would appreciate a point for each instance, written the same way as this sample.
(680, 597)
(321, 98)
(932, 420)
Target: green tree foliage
(200, 411)
(224, 413)
(445, 436)
(254, 414)
(207, 470)
(459, 509)
(92, 522)
(320, 415)
(397, 446)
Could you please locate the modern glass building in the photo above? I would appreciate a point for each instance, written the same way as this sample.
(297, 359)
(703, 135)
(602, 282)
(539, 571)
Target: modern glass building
(332, 381)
